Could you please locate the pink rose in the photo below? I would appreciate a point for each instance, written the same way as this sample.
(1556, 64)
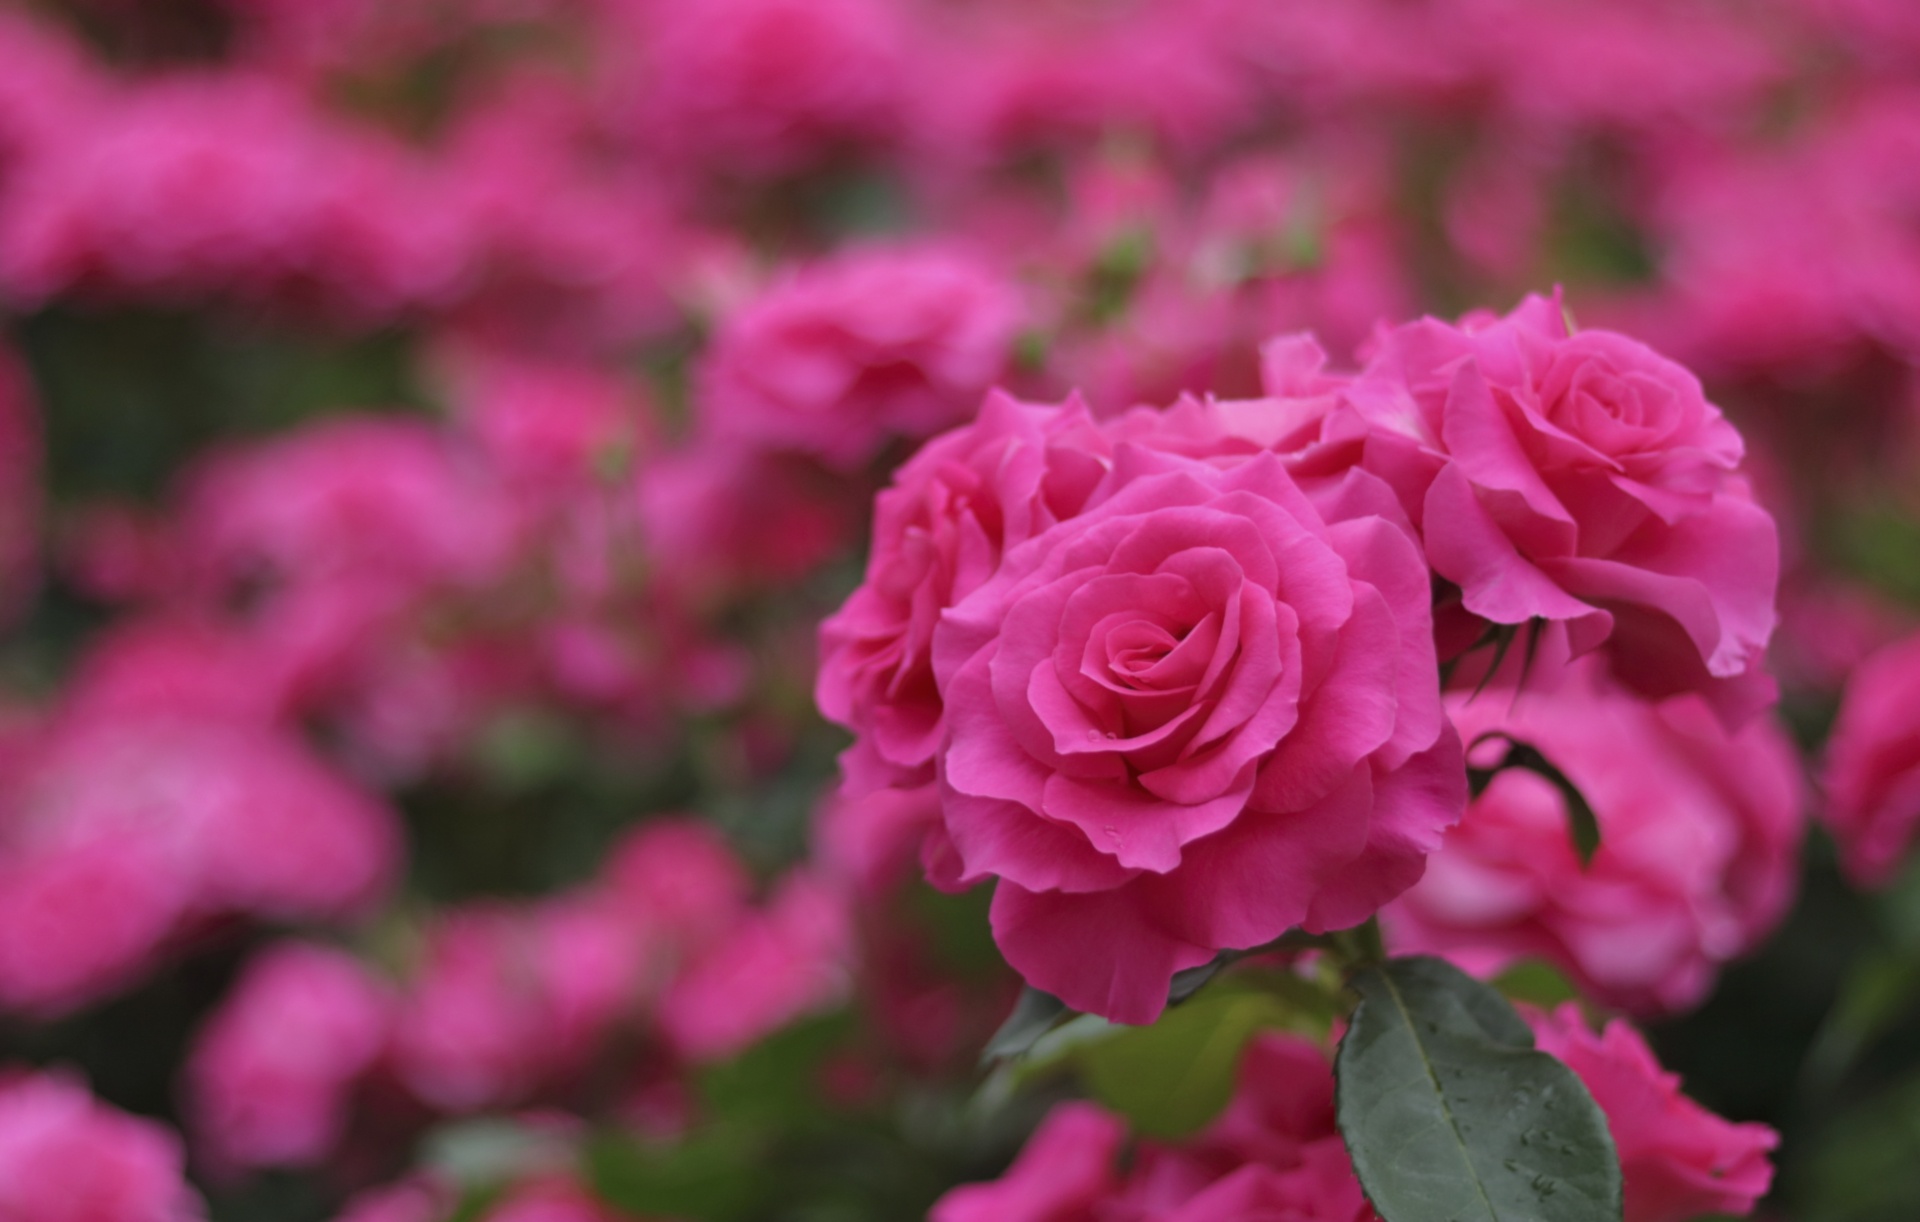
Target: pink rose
(849, 354)
(229, 184)
(1303, 417)
(475, 1028)
(791, 959)
(678, 875)
(555, 1198)
(1191, 718)
(1699, 837)
(1679, 1161)
(1275, 1149)
(871, 840)
(145, 806)
(1064, 1172)
(719, 514)
(79, 921)
(1583, 479)
(269, 1078)
(1873, 764)
(250, 818)
(319, 546)
(66, 1157)
(420, 1198)
(762, 88)
(1274, 1153)
(939, 531)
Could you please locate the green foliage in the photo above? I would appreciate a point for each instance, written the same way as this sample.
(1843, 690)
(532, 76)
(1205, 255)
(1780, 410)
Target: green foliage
(1170, 1079)
(177, 383)
(1034, 1014)
(1536, 983)
(1452, 1115)
(1867, 1166)
(710, 1177)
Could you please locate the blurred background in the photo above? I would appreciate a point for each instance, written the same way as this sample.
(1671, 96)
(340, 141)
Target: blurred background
(431, 432)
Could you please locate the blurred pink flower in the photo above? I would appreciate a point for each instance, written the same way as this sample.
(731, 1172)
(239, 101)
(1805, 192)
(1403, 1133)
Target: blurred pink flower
(65, 1157)
(763, 88)
(224, 185)
(78, 922)
(551, 1199)
(791, 959)
(1064, 1173)
(719, 516)
(871, 346)
(873, 839)
(130, 820)
(679, 875)
(475, 1027)
(1872, 776)
(417, 1199)
(1699, 839)
(1273, 1152)
(320, 543)
(270, 1075)
(1678, 1160)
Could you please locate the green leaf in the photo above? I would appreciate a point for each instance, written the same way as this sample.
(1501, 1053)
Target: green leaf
(714, 1177)
(1170, 1079)
(1535, 982)
(1582, 824)
(1191, 980)
(489, 1150)
(1034, 1014)
(1866, 1165)
(1452, 1115)
(776, 1083)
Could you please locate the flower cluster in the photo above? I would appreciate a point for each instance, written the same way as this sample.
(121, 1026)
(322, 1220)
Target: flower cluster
(1175, 674)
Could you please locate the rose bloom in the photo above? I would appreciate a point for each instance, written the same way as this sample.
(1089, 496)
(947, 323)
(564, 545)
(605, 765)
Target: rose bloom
(1678, 1161)
(419, 1198)
(1064, 1172)
(246, 814)
(476, 1027)
(848, 354)
(1191, 718)
(269, 1077)
(556, 1198)
(763, 88)
(79, 921)
(1583, 479)
(66, 1157)
(720, 516)
(939, 531)
(1873, 764)
(143, 808)
(227, 184)
(1699, 837)
(776, 965)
